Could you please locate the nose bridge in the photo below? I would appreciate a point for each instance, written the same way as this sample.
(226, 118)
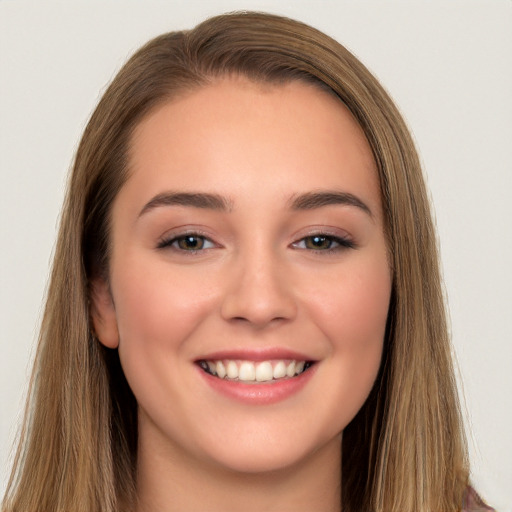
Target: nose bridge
(259, 290)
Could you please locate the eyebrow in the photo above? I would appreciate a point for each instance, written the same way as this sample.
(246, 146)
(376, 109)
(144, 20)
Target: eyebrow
(313, 200)
(307, 201)
(193, 199)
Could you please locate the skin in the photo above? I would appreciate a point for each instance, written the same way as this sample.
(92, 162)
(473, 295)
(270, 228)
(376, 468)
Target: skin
(256, 284)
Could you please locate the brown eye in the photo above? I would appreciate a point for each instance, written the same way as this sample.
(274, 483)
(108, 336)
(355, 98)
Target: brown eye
(190, 242)
(324, 243)
(318, 242)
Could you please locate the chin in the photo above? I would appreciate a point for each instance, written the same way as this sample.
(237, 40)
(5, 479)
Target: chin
(260, 463)
(259, 456)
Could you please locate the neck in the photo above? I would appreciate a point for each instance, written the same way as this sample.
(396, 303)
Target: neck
(171, 481)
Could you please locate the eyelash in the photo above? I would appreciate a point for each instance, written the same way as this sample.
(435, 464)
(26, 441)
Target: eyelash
(173, 242)
(340, 243)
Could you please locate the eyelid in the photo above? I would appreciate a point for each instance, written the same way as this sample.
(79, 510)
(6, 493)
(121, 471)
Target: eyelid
(343, 240)
(168, 239)
(341, 243)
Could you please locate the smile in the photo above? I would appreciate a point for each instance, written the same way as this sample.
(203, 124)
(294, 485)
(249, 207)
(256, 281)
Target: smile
(249, 371)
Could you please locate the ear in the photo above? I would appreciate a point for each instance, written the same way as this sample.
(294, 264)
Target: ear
(103, 314)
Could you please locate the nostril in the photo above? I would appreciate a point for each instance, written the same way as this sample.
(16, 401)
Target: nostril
(257, 322)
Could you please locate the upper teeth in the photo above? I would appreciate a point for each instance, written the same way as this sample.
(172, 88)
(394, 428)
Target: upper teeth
(249, 371)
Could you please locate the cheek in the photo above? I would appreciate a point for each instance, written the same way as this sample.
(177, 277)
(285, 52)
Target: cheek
(158, 310)
(353, 318)
(353, 311)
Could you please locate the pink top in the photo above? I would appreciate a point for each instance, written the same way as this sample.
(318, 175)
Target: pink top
(472, 502)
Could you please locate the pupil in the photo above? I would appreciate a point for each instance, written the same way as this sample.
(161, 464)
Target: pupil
(319, 242)
(191, 242)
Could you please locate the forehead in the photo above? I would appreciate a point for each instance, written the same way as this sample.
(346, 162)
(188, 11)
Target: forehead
(235, 134)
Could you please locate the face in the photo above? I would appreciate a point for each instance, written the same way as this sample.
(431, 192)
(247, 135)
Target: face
(249, 281)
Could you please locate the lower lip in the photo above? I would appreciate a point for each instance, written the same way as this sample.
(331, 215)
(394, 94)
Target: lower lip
(263, 393)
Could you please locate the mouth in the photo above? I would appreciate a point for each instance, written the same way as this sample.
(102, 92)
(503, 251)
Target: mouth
(254, 371)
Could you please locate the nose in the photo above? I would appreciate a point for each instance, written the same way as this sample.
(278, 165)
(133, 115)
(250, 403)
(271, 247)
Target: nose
(259, 292)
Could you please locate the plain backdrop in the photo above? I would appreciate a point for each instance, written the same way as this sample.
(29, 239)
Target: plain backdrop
(447, 64)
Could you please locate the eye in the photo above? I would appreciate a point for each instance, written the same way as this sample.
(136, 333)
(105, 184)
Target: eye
(190, 242)
(323, 242)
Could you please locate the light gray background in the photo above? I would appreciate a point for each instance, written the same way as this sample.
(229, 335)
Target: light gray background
(446, 63)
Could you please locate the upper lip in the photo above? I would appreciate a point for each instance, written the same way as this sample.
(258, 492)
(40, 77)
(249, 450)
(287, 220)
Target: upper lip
(255, 354)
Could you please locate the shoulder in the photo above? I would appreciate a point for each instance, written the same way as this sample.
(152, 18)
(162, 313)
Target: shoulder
(473, 503)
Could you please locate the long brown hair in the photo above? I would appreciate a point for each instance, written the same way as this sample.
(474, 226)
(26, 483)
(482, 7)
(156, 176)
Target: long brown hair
(405, 449)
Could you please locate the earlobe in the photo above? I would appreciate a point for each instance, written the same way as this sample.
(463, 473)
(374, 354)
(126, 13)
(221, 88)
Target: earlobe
(103, 314)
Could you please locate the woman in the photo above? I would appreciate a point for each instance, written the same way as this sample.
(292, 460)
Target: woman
(245, 306)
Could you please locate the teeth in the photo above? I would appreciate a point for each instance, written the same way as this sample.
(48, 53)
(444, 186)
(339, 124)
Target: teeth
(212, 367)
(264, 372)
(232, 370)
(219, 368)
(248, 371)
(279, 370)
